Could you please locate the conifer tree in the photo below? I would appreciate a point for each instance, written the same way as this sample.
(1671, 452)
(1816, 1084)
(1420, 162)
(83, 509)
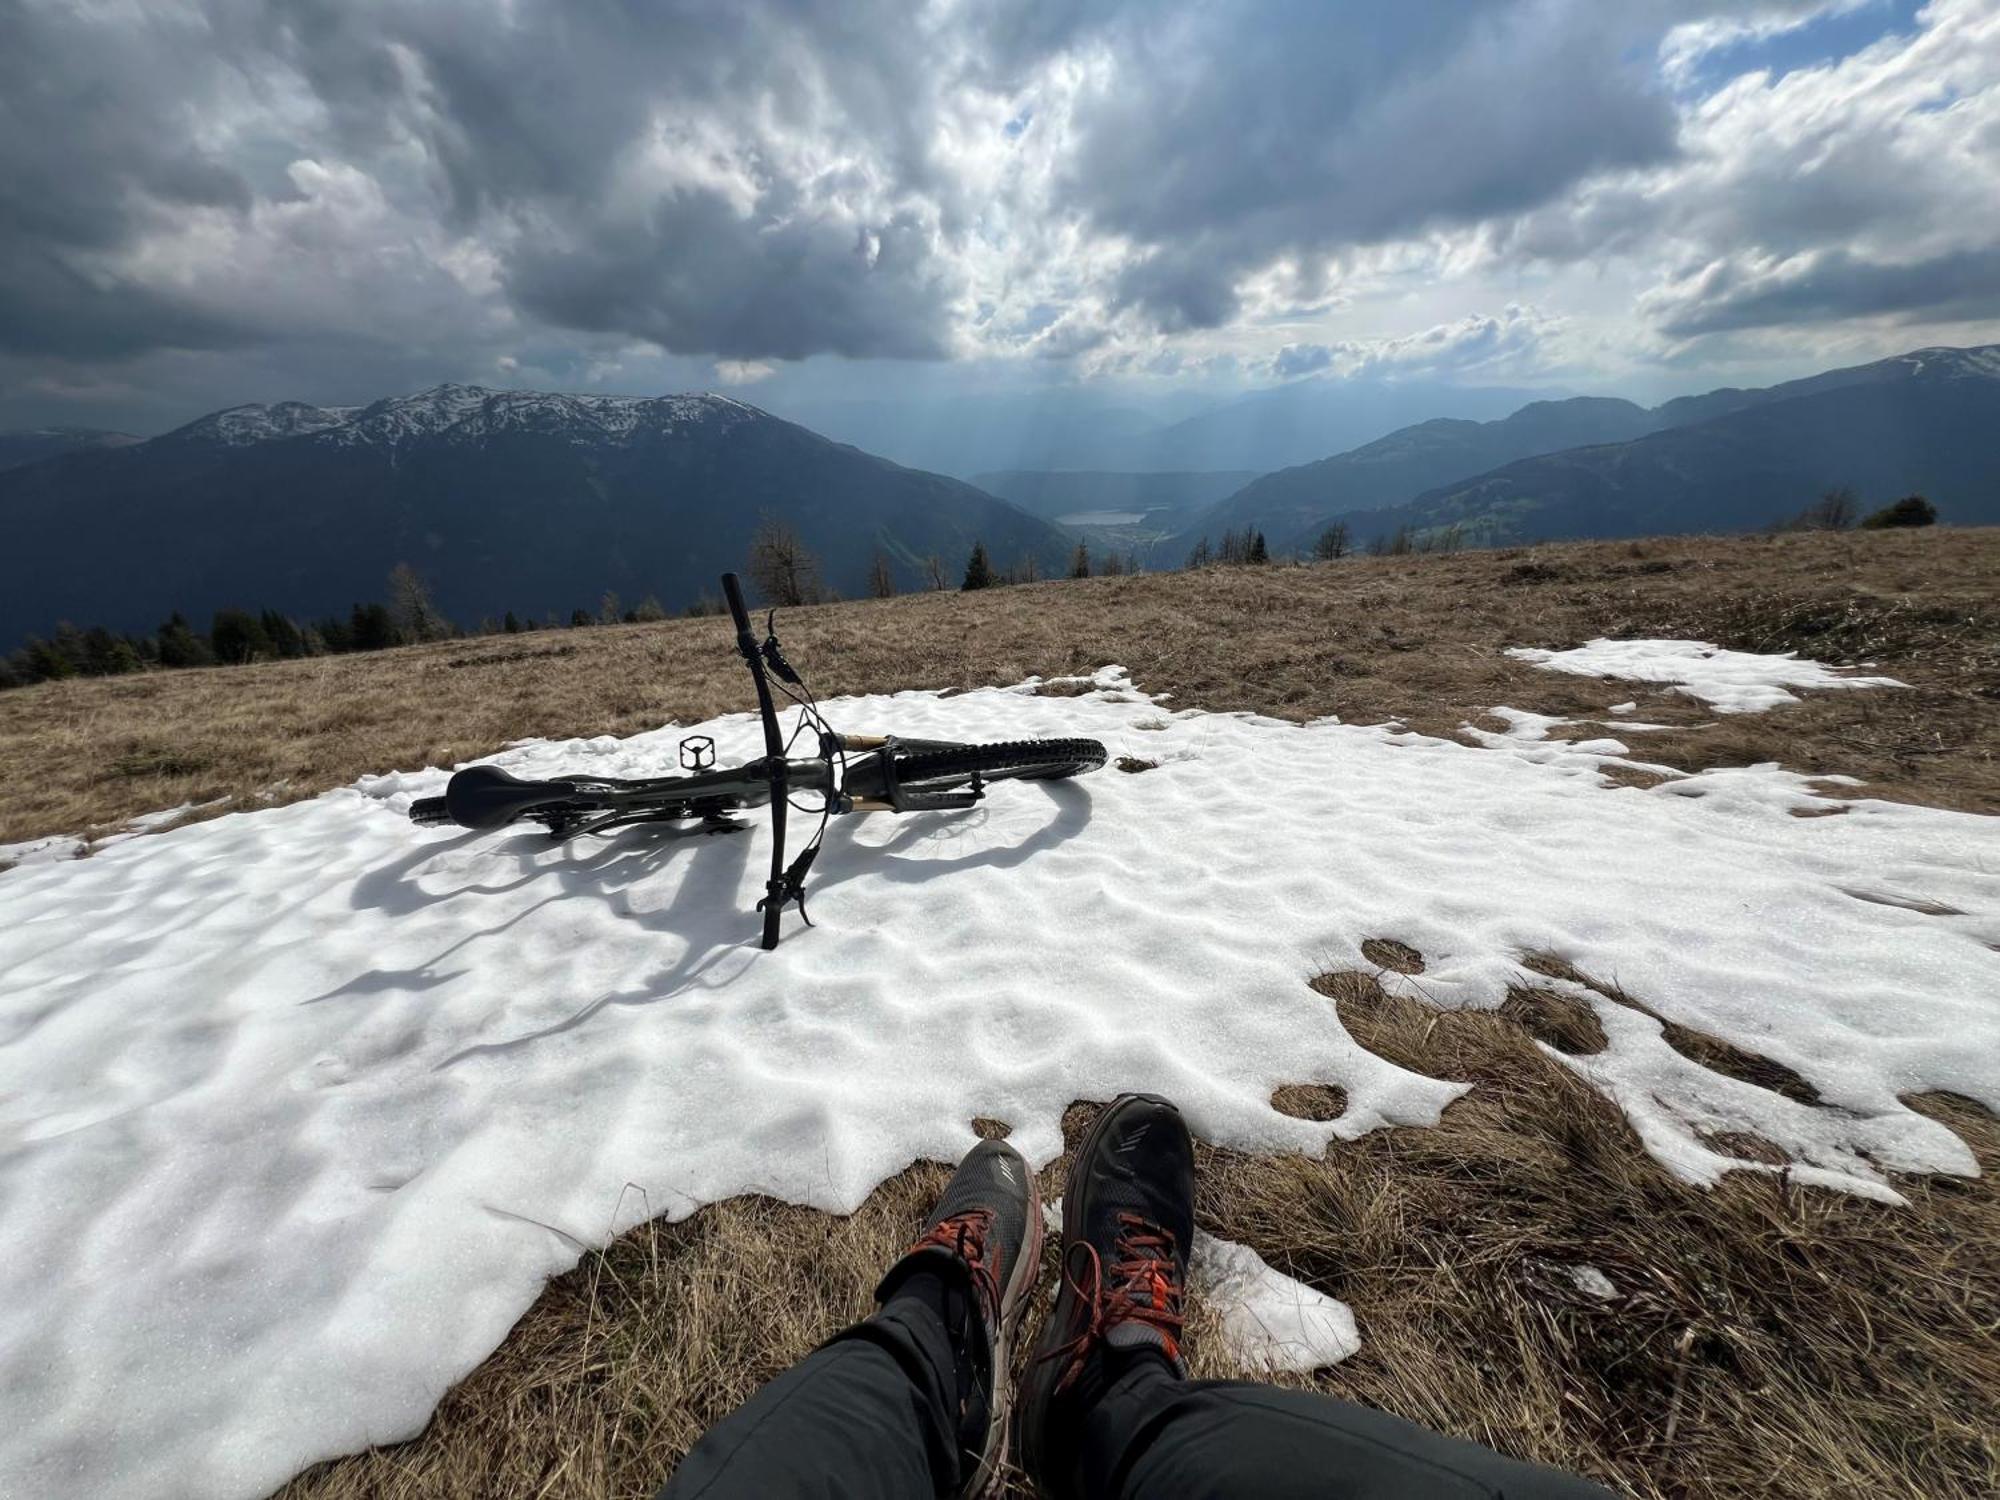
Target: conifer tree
(978, 571)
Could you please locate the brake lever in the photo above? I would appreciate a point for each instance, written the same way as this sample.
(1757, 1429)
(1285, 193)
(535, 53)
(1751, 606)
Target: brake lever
(774, 656)
(790, 889)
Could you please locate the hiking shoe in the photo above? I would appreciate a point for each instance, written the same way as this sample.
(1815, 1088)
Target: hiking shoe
(1128, 1217)
(988, 1224)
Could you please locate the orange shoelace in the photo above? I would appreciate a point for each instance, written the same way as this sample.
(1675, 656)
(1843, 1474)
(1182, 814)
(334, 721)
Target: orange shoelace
(1143, 1288)
(965, 1236)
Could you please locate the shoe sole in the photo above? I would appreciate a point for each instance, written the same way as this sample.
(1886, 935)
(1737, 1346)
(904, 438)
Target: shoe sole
(1040, 1384)
(990, 1476)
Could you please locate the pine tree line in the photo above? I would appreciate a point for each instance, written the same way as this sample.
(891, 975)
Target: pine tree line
(788, 575)
(236, 637)
(1244, 548)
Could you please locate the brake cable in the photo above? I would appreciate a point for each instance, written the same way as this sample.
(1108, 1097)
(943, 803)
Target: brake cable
(794, 888)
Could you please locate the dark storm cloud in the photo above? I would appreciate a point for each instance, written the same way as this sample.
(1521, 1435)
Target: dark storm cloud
(1838, 284)
(442, 183)
(93, 150)
(674, 173)
(553, 134)
(1291, 127)
(691, 279)
(644, 170)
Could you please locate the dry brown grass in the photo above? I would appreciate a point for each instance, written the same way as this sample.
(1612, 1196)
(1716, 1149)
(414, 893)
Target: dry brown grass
(1413, 638)
(1765, 1339)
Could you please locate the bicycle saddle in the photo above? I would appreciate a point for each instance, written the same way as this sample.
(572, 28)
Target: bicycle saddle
(486, 796)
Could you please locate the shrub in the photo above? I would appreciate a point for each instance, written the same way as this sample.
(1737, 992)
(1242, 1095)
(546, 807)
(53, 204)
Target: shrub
(786, 574)
(1333, 543)
(1911, 510)
(881, 579)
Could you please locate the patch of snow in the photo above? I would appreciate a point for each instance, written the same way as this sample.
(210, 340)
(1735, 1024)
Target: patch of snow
(302, 1105)
(78, 846)
(40, 851)
(1624, 708)
(1593, 1283)
(147, 822)
(1270, 1321)
(1528, 736)
(1731, 682)
(1963, 364)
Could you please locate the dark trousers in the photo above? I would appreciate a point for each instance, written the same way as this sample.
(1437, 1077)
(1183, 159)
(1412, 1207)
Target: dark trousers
(869, 1417)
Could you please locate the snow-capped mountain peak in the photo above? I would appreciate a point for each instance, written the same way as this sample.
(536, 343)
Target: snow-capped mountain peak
(254, 422)
(465, 413)
(1982, 363)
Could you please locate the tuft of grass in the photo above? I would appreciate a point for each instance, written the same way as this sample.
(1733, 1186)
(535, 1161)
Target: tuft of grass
(1387, 953)
(157, 761)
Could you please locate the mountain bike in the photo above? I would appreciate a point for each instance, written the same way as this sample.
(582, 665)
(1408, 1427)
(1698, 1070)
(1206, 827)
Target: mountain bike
(849, 773)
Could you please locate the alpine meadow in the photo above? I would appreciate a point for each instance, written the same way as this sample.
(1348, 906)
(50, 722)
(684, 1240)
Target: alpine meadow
(1134, 751)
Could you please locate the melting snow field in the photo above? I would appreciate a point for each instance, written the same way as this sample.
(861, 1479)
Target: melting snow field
(299, 1107)
(1730, 682)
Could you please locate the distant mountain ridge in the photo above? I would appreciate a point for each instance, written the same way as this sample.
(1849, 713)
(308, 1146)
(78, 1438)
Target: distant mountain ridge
(1367, 485)
(18, 449)
(1077, 428)
(462, 414)
(1922, 422)
(1293, 505)
(520, 500)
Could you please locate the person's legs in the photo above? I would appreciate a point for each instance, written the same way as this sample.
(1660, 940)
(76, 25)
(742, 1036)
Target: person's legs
(867, 1415)
(1109, 1410)
(1162, 1437)
(902, 1406)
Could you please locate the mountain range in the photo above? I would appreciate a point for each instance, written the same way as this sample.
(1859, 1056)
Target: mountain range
(1592, 467)
(499, 499)
(541, 503)
(1925, 424)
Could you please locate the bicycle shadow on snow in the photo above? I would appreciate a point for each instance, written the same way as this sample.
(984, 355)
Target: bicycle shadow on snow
(894, 860)
(710, 907)
(610, 870)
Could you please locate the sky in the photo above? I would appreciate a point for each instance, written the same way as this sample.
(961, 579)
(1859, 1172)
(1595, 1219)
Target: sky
(205, 202)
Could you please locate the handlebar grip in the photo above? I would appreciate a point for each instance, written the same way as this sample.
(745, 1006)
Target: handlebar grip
(732, 591)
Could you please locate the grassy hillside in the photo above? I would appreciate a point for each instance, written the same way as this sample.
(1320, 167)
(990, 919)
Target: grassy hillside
(1768, 1340)
(1411, 638)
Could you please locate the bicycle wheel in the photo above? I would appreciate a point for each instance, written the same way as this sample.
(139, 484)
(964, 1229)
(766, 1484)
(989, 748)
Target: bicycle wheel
(932, 769)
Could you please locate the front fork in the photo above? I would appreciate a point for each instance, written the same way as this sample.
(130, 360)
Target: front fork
(882, 749)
